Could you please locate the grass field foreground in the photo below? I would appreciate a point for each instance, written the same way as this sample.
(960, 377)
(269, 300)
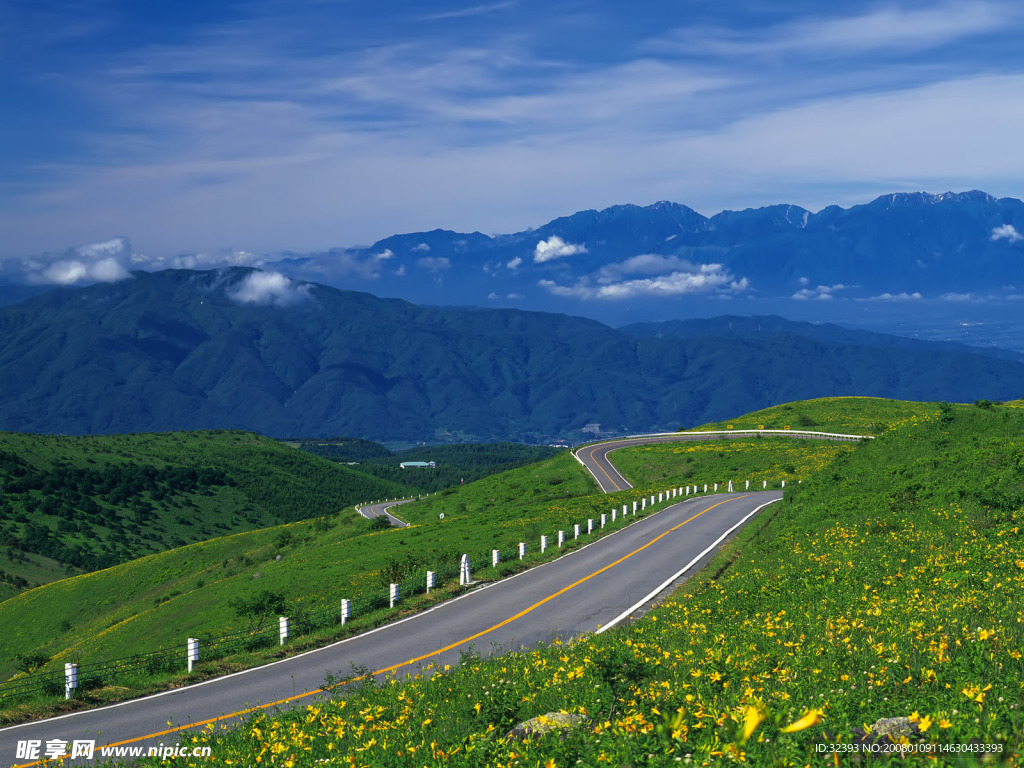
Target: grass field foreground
(887, 584)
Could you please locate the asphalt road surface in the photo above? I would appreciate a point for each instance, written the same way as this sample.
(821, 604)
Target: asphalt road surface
(585, 591)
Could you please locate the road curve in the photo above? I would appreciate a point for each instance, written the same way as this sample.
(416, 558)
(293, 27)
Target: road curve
(588, 589)
(370, 511)
(594, 456)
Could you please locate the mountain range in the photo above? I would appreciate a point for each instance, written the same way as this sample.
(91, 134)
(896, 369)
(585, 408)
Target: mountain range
(896, 259)
(248, 349)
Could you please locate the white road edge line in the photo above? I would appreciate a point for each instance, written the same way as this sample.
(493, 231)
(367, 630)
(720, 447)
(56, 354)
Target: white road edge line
(658, 590)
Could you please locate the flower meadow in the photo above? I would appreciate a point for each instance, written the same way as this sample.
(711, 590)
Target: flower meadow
(887, 584)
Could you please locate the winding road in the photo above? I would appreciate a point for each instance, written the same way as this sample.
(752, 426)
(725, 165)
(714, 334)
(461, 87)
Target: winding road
(611, 579)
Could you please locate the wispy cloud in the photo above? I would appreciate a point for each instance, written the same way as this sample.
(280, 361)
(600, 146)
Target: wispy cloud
(820, 293)
(1007, 232)
(694, 279)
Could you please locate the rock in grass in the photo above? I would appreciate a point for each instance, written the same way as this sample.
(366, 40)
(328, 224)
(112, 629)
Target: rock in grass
(544, 725)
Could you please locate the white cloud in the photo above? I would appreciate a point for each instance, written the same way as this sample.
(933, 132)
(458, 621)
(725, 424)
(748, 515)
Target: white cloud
(555, 248)
(821, 293)
(514, 263)
(434, 263)
(704, 278)
(1007, 232)
(105, 262)
(904, 296)
(270, 288)
(422, 247)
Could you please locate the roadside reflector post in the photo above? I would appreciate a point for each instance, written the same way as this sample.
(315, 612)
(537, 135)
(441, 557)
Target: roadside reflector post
(716, 487)
(576, 531)
(590, 525)
(522, 550)
(282, 627)
(70, 679)
(764, 483)
(783, 483)
(643, 503)
(730, 486)
(543, 543)
(660, 497)
(346, 610)
(603, 516)
(495, 557)
(625, 510)
(747, 487)
(614, 511)
(652, 498)
(561, 539)
(193, 652)
(705, 487)
(393, 595)
(687, 490)
(430, 581)
(634, 507)
(465, 574)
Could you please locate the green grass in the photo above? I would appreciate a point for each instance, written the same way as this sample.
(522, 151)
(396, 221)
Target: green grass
(887, 584)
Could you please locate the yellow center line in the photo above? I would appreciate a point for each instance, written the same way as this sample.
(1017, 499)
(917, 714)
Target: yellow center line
(392, 668)
(598, 463)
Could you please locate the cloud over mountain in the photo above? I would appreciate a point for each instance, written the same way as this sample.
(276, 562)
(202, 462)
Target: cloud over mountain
(268, 288)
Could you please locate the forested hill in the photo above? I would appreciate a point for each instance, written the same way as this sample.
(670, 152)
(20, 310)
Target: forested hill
(69, 504)
(242, 349)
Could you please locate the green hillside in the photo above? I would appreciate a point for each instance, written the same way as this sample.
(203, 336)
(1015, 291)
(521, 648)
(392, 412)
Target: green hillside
(885, 585)
(74, 504)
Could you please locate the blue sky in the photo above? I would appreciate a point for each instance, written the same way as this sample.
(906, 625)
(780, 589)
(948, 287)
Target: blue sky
(230, 129)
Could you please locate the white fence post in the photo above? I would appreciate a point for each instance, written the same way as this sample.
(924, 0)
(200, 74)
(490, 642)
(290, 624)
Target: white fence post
(465, 572)
(522, 549)
(430, 581)
(643, 503)
(561, 539)
(705, 487)
(393, 595)
(614, 511)
(764, 483)
(661, 496)
(716, 487)
(193, 652)
(70, 679)
(747, 487)
(282, 628)
(543, 543)
(730, 486)
(625, 509)
(346, 610)
(783, 483)
(590, 525)
(603, 516)
(495, 557)
(634, 507)
(576, 531)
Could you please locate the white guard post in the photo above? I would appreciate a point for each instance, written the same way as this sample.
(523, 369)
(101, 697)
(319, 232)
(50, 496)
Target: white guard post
(70, 679)
(193, 652)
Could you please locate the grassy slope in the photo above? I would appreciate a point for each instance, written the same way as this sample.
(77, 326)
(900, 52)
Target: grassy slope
(848, 415)
(887, 584)
(159, 600)
(115, 498)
